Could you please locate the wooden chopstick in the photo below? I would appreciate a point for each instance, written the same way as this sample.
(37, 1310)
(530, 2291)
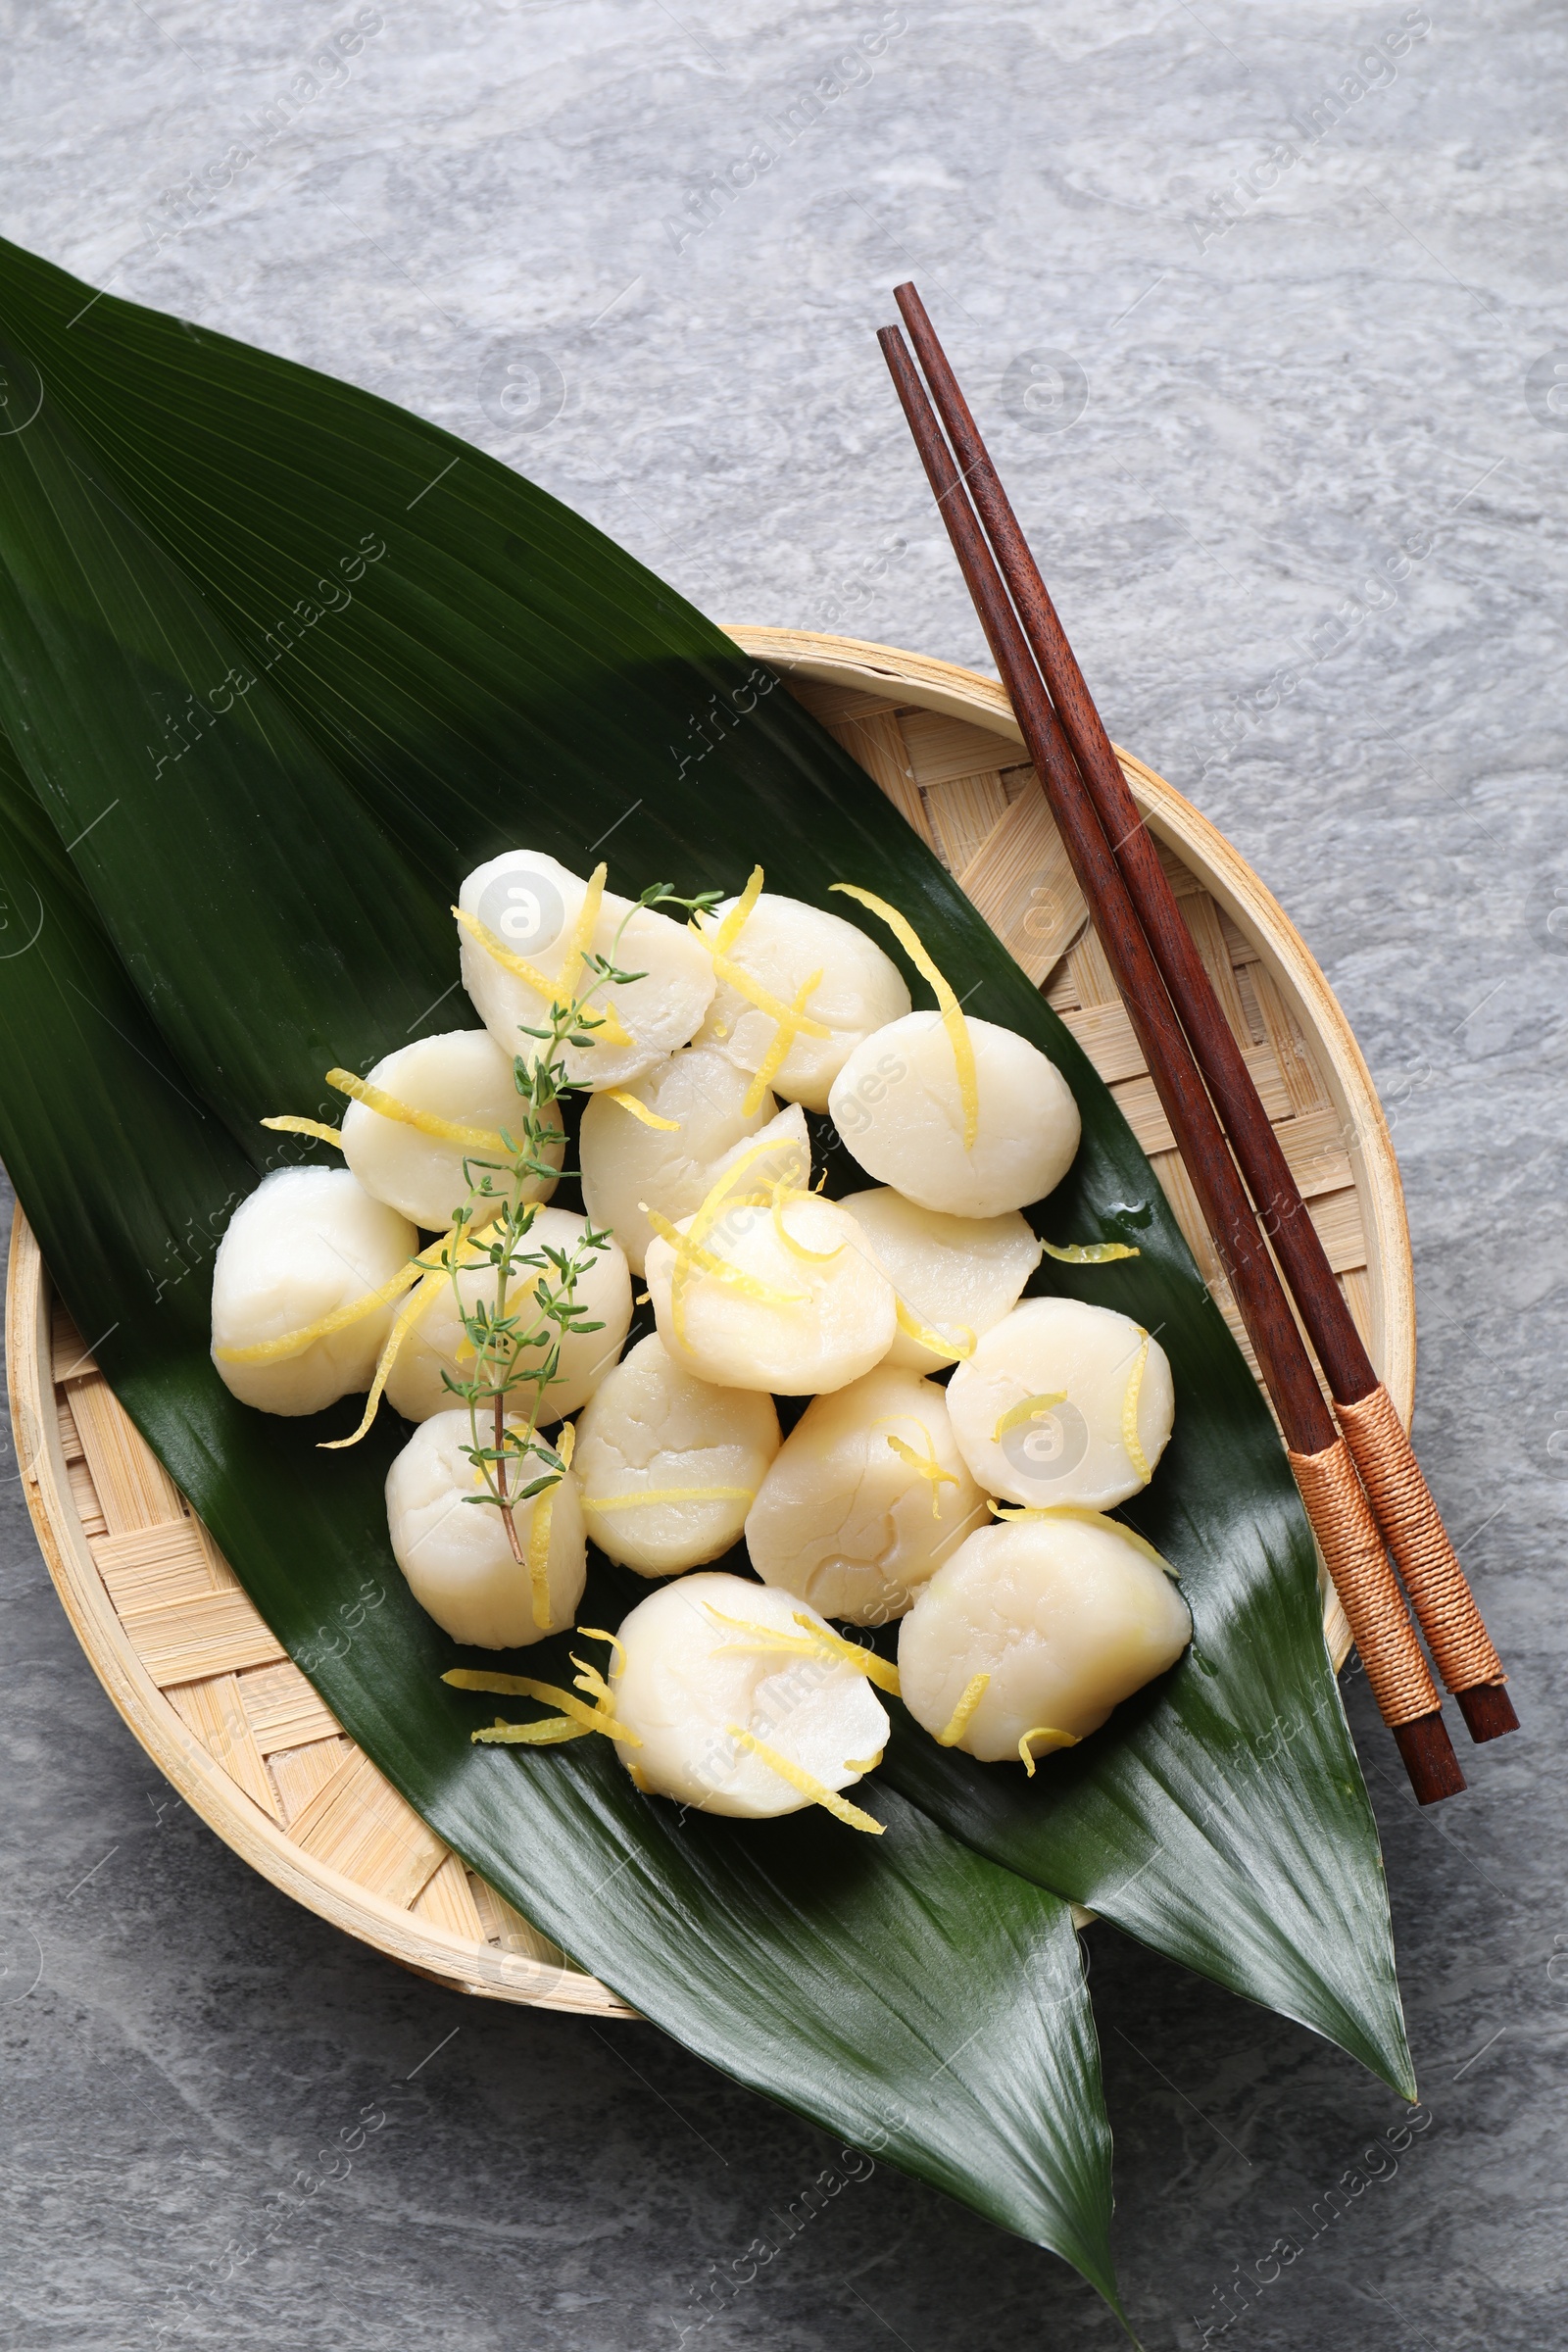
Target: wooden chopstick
(1401, 1501)
(1397, 1671)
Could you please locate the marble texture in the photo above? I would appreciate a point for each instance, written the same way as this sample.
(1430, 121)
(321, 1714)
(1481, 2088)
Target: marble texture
(1292, 449)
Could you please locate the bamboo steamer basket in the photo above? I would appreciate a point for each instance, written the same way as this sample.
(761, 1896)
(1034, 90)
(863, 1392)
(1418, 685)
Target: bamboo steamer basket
(233, 1723)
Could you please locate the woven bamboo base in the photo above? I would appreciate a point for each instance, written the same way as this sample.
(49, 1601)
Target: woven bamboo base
(202, 1682)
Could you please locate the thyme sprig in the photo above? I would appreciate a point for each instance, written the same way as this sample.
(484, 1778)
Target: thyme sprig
(518, 1325)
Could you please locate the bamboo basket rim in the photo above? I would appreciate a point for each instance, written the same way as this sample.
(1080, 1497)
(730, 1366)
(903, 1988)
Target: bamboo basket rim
(537, 1976)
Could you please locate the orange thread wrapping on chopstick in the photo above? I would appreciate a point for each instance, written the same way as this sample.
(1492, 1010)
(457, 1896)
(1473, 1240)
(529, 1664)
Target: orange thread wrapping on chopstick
(1369, 1593)
(1419, 1543)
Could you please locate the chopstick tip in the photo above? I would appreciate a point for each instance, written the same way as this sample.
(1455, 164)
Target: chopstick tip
(1488, 1711)
(1429, 1759)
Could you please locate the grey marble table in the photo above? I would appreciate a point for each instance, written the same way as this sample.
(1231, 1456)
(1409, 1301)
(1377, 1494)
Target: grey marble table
(1265, 307)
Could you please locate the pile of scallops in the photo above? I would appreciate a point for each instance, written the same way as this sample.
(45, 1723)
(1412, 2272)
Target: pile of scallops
(960, 1445)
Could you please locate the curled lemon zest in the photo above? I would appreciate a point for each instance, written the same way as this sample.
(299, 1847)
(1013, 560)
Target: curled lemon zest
(806, 1782)
(814, 1640)
(610, 1030)
(1028, 1408)
(729, 930)
(591, 1632)
(792, 1023)
(1044, 1731)
(520, 1686)
(657, 1494)
(1090, 1253)
(782, 1195)
(864, 1763)
(293, 1342)
(1087, 1518)
(388, 1106)
(1129, 1417)
(952, 1019)
(974, 1691)
(640, 1110)
(924, 1464)
(539, 1531)
(288, 1125)
(912, 1328)
(588, 1678)
(640, 1779)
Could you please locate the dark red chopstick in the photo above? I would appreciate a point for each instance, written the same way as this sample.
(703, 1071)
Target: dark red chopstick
(1397, 1671)
(1401, 1498)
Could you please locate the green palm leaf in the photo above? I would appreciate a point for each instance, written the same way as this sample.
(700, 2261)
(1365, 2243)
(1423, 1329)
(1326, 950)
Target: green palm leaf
(275, 880)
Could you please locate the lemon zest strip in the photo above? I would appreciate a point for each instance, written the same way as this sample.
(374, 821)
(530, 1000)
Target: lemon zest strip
(517, 965)
(1129, 1417)
(866, 1661)
(747, 984)
(807, 1785)
(435, 1276)
(640, 1110)
(864, 1763)
(792, 1023)
(1087, 1518)
(686, 1250)
(406, 1316)
(912, 1326)
(924, 1464)
(952, 1019)
(974, 1691)
(690, 1254)
(707, 1214)
(783, 1193)
(1044, 1731)
(657, 1494)
(551, 1730)
(324, 1134)
(729, 930)
(583, 932)
(520, 1686)
(539, 1532)
(388, 1106)
(1089, 1253)
(1028, 1408)
(815, 1640)
(588, 1678)
(293, 1342)
(578, 947)
(591, 1632)
(532, 977)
